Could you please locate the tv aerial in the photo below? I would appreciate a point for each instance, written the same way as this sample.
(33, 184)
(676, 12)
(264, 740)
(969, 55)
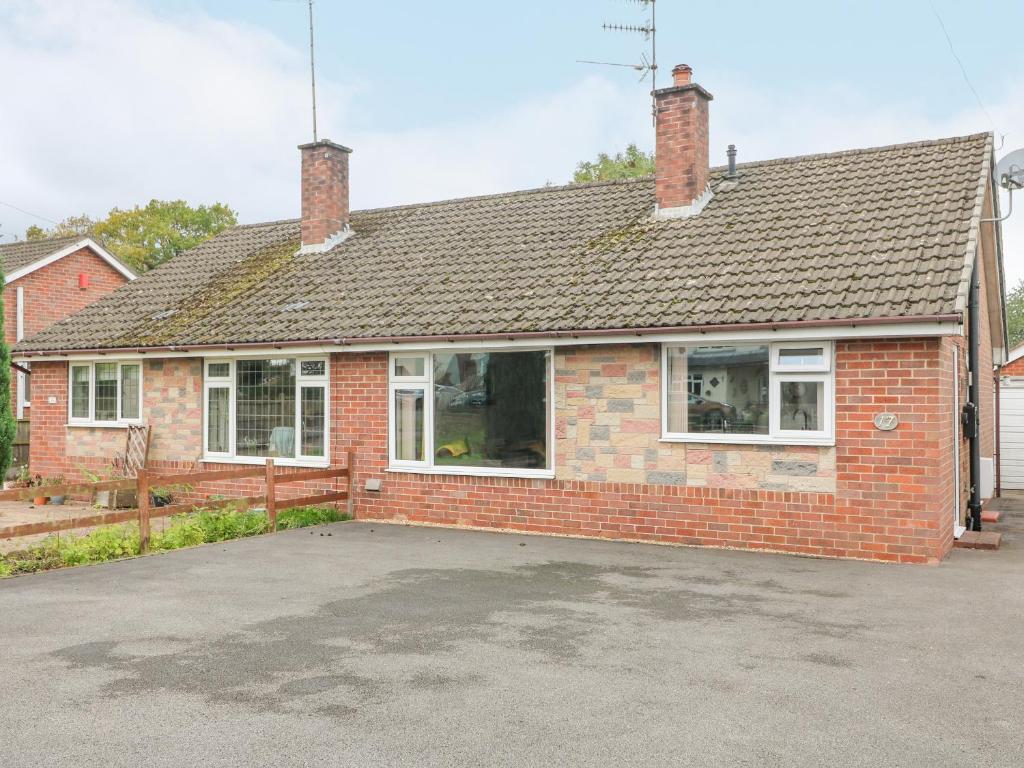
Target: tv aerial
(1009, 174)
(648, 65)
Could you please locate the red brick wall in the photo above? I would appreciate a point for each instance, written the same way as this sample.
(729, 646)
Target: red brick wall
(892, 497)
(52, 293)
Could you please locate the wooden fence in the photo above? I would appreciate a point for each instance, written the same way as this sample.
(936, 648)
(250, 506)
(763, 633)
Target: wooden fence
(19, 447)
(148, 479)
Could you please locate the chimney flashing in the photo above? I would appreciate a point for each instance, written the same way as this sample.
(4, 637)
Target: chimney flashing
(684, 211)
(330, 243)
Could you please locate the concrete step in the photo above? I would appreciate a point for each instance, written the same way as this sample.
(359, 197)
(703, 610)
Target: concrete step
(979, 540)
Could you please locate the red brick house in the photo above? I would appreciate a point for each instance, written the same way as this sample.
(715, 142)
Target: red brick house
(46, 281)
(771, 355)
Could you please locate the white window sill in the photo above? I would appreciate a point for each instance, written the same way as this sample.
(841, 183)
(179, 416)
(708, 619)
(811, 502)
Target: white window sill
(104, 424)
(530, 474)
(259, 460)
(718, 439)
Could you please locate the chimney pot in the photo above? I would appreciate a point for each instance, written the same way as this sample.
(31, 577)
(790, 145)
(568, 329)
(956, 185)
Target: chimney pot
(731, 153)
(681, 74)
(325, 207)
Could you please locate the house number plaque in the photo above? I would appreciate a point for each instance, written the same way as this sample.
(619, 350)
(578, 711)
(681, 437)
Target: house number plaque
(886, 421)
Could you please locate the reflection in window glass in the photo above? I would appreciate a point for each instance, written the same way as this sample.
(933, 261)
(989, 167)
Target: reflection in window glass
(312, 421)
(408, 407)
(410, 366)
(718, 389)
(219, 419)
(491, 409)
(80, 391)
(802, 356)
(313, 367)
(218, 370)
(129, 391)
(800, 405)
(106, 392)
(265, 408)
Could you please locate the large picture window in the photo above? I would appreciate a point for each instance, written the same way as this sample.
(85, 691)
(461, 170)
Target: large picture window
(104, 393)
(748, 392)
(473, 412)
(266, 408)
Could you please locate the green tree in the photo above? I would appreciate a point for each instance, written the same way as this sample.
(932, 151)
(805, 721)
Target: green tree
(625, 165)
(145, 237)
(72, 225)
(7, 423)
(1015, 314)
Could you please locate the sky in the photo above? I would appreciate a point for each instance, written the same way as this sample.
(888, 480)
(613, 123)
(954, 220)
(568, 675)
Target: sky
(108, 103)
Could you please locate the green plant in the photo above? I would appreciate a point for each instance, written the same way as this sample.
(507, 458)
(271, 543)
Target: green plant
(109, 542)
(303, 517)
(6, 569)
(55, 480)
(24, 478)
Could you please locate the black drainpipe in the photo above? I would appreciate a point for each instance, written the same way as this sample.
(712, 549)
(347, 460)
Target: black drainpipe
(972, 408)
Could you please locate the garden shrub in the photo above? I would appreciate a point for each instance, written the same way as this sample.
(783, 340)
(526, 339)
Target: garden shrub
(109, 542)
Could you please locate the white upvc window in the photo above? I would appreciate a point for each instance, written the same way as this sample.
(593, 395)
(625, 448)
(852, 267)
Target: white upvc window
(472, 412)
(756, 392)
(266, 407)
(104, 393)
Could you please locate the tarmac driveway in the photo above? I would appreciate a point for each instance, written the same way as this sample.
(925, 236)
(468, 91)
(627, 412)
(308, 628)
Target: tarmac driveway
(390, 645)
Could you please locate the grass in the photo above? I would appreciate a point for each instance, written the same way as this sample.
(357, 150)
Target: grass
(114, 542)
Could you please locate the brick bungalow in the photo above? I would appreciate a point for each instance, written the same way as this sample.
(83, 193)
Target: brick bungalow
(771, 355)
(46, 281)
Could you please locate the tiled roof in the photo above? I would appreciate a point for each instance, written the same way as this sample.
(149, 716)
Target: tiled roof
(14, 256)
(863, 234)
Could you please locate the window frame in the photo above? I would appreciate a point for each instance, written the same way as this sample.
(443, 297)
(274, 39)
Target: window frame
(778, 373)
(230, 383)
(426, 383)
(91, 420)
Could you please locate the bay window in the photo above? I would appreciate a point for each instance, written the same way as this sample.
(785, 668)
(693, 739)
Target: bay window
(757, 392)
(104, 393)
(266, 408)
(471, 412)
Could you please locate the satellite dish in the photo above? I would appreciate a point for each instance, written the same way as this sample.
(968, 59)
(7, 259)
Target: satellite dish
(1010, 170)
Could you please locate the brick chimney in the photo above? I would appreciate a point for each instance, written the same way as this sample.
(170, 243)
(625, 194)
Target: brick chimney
(325, 211)
(681, 147)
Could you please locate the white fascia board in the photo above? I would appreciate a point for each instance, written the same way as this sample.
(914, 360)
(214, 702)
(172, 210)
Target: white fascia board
(1016, 353)
(817, 333)
(86, 242)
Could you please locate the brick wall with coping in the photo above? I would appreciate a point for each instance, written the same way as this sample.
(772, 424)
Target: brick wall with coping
(876, 495)
(52, 293)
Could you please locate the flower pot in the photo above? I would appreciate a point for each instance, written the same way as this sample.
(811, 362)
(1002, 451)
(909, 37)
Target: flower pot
(57, 500)
(40, 501)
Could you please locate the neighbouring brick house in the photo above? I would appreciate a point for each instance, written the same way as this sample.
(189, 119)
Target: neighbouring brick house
(767, 356)
(46, 281)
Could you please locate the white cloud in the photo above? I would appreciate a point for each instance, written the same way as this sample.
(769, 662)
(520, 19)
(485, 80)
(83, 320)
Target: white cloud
(117, 104)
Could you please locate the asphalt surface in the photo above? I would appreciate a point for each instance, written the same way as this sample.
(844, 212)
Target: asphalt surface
(384, 645)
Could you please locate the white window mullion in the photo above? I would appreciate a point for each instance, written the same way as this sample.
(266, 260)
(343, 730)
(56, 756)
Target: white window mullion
(428, 413)
(117, 410)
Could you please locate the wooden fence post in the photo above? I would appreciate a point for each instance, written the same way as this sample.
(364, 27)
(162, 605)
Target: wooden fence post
(350, 502)
(271, 500)
(142, 499)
